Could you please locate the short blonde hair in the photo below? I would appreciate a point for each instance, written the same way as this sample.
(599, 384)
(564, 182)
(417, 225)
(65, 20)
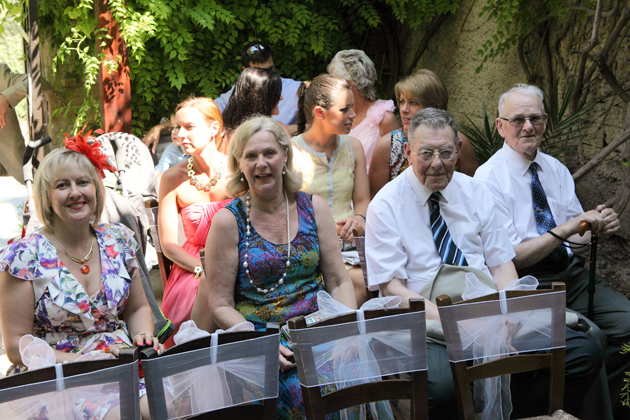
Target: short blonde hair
(357, 67)
(292, 179)
(426, 87)
(56, 163)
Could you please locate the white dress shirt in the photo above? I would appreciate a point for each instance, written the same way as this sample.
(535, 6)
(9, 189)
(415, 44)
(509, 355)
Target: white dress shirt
(509, 179)
(287, 108)
(398, 239)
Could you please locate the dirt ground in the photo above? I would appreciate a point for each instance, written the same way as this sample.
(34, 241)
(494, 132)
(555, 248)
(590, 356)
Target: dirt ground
(613, 263)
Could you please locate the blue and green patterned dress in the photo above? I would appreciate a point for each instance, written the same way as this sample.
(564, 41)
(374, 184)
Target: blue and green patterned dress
(297, 296)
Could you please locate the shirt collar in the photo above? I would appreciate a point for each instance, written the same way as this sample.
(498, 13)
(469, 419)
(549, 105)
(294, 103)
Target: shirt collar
(520, 163)
(422, 192)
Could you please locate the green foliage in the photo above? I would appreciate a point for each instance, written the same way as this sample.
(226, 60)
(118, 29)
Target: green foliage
(179, 48)
(625, 391)
(9, 9)
(562, 129)
(485, 140)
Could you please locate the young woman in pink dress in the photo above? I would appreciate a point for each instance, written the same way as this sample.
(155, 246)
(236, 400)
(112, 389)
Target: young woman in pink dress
(195, 189)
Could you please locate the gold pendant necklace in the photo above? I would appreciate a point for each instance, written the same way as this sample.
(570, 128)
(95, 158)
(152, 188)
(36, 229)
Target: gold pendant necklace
(85, 269)
(207, 187)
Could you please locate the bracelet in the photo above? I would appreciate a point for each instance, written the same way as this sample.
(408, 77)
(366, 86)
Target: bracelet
(198, 270)
(359, 214)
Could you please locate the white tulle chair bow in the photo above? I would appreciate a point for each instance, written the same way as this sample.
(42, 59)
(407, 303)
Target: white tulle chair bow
(351, 359)
(67, 397)
(491, 337)
(203, 380)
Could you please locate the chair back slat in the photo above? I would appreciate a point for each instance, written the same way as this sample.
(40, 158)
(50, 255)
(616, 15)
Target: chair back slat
(206, 381)
(359, 241)
(540, 319)
(379, 331)
(79, 385)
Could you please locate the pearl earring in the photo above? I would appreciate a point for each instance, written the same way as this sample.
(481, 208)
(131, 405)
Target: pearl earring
(242, 179)
(284, 172)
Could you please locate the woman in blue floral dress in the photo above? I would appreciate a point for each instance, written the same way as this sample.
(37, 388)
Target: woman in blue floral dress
(71, 282)
(273, 248)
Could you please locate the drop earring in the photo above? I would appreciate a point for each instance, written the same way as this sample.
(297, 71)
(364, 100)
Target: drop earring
(242, 179)
(284, 172)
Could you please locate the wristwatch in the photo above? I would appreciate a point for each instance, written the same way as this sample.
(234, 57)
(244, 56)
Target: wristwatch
(198, 270)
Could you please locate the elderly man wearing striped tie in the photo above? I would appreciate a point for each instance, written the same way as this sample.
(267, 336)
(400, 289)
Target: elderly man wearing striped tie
(432, 216)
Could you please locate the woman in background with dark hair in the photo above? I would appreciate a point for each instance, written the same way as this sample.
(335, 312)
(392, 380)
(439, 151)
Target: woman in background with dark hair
(256, 92)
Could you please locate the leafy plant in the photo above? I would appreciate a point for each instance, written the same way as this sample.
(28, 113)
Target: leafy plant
(562, 129)
(486, 140)
(179, 48)
(625, 391)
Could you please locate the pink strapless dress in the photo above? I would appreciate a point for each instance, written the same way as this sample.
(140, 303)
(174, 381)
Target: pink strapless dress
(181, 288)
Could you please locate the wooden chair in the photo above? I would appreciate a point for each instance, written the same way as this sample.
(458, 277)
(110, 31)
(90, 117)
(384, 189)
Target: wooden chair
(359, 241)
(154, 376)
(165, 264)
(123, 370)
(464, 373)
(415, 388)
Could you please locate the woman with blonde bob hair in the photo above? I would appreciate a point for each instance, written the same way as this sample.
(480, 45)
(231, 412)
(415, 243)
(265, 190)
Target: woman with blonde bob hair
(273, 248)
(56, 162)
(421, 89)
(74, 285)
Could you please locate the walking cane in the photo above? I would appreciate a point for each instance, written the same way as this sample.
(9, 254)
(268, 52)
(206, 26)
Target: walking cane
(584, 226)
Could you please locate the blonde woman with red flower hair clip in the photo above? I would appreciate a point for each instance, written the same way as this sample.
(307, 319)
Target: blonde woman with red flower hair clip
(73, 282)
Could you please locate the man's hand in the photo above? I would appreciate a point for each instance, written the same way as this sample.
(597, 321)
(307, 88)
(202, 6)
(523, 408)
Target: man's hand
(152, 138)
(611, 223)
(4, 105)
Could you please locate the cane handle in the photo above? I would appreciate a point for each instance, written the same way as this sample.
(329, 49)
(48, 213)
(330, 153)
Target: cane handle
(584, 227)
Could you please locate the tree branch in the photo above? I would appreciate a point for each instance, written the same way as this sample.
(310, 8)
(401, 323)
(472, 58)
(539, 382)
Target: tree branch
(584, 55)
(602, 155)
(608, 13)
(612, 81)
(436, 22)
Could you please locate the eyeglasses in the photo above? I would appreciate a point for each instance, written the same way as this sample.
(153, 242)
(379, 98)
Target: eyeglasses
(444, 154)
(520, 121)
(255, 49)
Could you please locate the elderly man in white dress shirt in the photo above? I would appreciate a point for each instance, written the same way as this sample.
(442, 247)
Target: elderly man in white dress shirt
(537, 194)
(433, 215)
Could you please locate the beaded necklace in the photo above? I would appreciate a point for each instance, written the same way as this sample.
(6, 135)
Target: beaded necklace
(207, 187)
(288, 263)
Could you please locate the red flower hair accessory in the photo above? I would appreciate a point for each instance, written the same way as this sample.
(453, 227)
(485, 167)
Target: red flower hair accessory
(79, 143)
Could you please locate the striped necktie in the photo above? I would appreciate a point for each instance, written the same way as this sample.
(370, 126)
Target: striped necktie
(444, 243)
(542, 213)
